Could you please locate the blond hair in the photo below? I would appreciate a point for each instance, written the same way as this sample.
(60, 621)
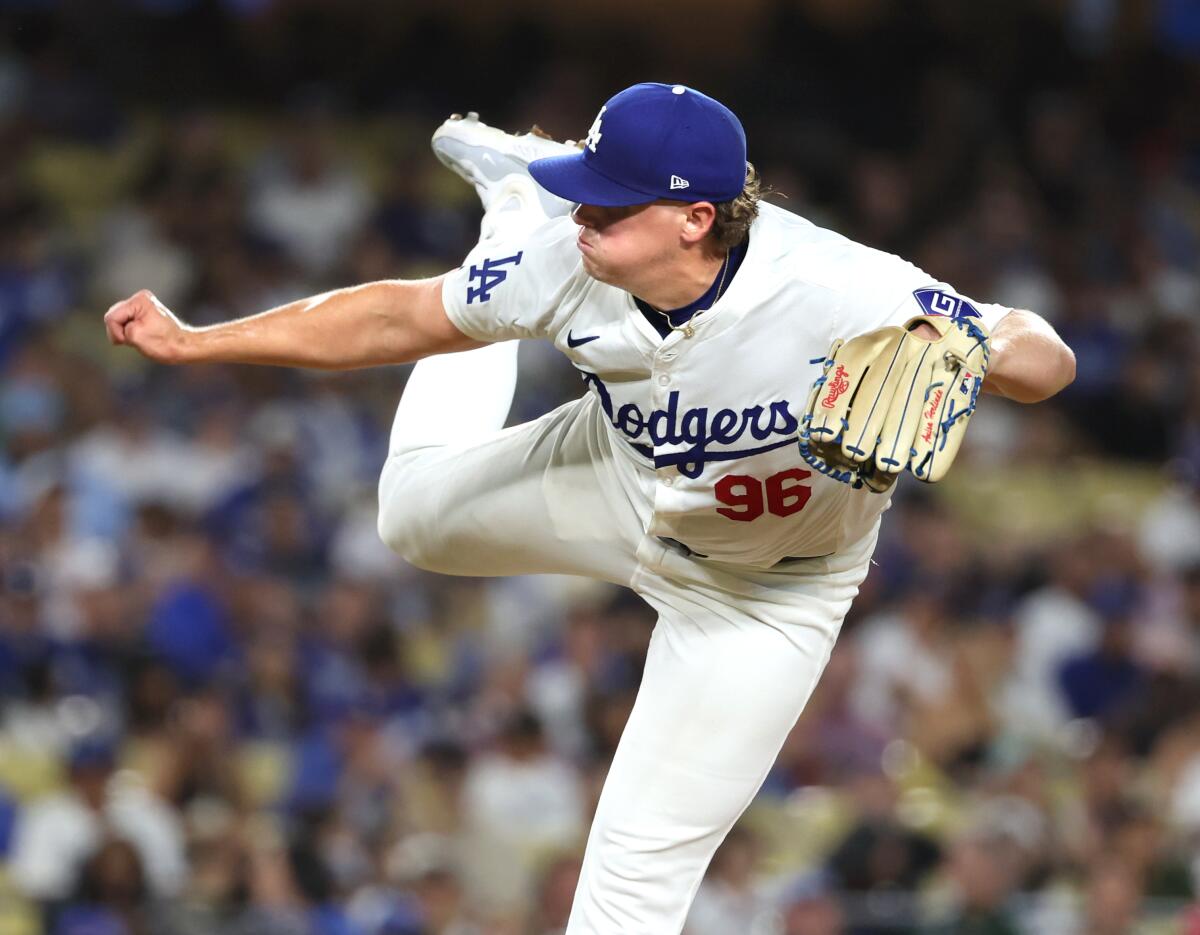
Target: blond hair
(733, 220)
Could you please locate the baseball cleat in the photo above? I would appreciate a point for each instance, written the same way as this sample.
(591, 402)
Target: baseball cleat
(486, 157)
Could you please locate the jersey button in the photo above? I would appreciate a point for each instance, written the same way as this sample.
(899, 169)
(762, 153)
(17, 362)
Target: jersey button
(668, 481)
(664, 380)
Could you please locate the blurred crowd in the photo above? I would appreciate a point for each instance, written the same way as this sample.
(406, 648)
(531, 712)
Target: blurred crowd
(227, 708)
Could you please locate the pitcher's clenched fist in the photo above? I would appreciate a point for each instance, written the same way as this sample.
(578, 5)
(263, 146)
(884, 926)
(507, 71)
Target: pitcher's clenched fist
(143, 322)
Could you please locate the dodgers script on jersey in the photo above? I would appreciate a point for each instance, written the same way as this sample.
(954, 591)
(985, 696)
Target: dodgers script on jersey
(704, 430)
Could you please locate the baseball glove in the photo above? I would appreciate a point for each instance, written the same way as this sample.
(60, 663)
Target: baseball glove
(891, 399)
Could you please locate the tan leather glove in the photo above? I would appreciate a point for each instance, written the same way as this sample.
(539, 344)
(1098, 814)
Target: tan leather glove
(891, 399)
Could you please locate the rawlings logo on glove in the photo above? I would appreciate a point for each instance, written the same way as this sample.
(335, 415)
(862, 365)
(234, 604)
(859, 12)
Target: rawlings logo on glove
(838, 384)
(891, 399)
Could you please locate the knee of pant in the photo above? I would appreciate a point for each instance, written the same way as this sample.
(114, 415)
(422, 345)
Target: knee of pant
(628, 856)
(396, 534)
(406, 516)
(609, 901)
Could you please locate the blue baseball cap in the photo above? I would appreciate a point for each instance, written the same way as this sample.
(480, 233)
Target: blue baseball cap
(652, 141)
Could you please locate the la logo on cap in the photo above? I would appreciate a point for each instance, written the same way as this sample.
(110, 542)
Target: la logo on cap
(594, 134)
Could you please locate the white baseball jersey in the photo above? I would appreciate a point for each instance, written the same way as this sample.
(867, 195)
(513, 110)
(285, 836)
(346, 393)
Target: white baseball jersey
(707, 426)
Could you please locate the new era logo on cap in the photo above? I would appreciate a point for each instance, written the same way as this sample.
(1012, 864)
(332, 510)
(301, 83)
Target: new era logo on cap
(677, 182)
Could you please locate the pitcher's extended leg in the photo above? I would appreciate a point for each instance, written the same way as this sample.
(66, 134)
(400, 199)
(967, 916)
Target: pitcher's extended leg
(725, 680)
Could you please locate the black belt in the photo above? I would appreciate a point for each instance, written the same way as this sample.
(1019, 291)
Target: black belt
(688, 553)
(692, 553)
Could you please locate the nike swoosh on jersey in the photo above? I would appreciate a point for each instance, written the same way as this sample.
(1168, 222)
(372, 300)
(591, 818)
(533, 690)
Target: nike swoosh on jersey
(575, 342)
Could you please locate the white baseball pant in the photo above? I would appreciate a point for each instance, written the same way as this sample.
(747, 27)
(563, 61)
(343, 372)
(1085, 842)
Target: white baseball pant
(733, 657)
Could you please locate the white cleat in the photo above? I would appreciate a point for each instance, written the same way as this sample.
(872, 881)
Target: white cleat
(487, 157)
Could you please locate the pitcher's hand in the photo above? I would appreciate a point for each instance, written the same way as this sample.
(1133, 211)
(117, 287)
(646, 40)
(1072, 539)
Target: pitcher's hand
(143, 322)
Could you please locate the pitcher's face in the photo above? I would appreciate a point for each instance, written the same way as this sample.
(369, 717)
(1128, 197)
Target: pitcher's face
(622, 245)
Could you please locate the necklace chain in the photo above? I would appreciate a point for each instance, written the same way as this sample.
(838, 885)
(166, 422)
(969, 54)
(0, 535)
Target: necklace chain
(686, 327)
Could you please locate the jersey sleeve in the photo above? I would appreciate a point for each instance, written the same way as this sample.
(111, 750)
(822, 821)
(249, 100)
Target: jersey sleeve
(887, 290)
(510, 289)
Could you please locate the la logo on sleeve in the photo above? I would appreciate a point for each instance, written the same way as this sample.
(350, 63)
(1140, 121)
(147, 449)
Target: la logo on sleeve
(489, 276)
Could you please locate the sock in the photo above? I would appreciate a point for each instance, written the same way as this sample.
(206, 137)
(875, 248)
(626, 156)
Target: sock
(455, 398)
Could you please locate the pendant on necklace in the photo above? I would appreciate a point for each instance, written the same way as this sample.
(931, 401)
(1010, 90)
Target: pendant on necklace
(688, 330)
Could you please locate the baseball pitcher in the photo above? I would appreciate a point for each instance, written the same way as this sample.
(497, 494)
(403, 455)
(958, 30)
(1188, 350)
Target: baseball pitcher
(754, 386)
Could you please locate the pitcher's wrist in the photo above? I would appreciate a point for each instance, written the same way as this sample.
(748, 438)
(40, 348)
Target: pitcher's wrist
(190, 346)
